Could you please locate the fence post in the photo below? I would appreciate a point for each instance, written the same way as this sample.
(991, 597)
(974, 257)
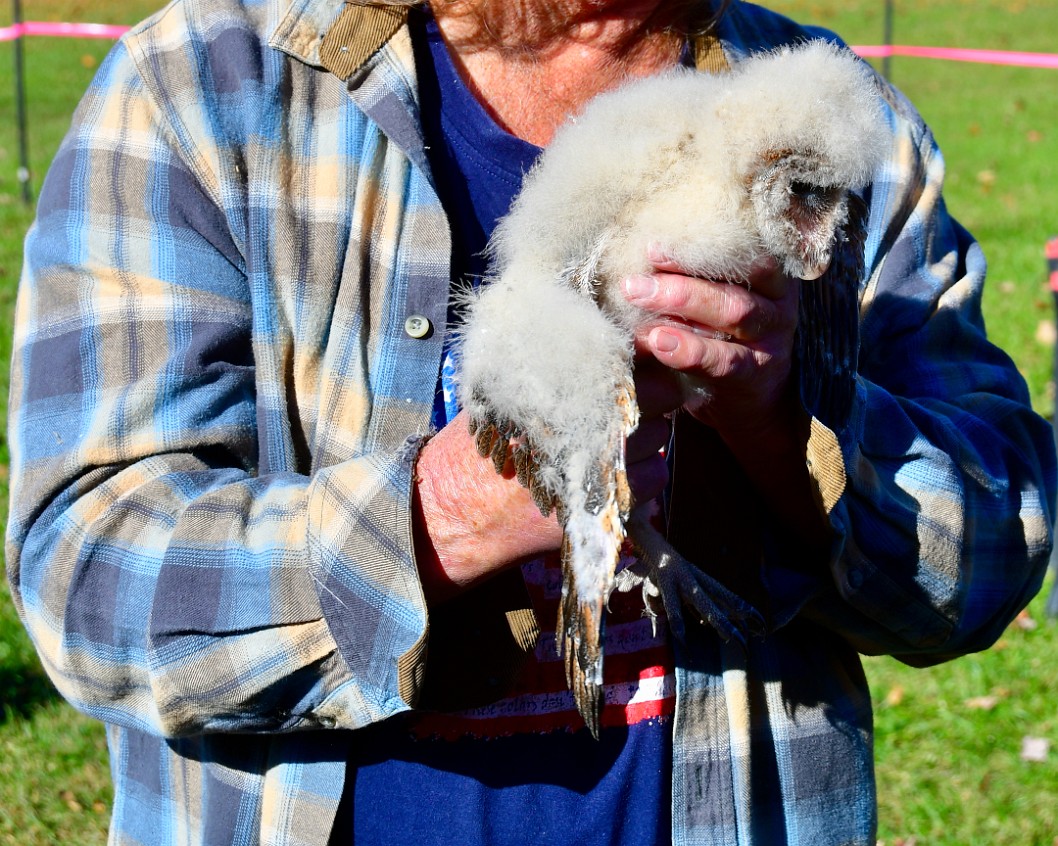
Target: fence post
(1051, 255)
(887, 39)
(20, 99)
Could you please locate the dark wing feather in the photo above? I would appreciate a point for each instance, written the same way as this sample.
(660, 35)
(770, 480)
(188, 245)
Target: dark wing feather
(828, 337)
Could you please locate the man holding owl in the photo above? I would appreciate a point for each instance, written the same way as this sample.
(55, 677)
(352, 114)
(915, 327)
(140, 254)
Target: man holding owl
(251, 531)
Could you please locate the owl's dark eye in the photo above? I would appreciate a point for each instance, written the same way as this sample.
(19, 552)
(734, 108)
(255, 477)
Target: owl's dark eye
(813, 197)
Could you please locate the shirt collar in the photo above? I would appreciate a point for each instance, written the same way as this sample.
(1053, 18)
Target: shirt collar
(339, 37)
(342, 41)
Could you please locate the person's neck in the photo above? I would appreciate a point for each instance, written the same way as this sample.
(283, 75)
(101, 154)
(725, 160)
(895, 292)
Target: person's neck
(533, 63)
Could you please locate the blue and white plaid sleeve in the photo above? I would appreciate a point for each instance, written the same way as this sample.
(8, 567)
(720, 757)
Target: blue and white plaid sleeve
(949, 503)
(941, 487)
(210, 527)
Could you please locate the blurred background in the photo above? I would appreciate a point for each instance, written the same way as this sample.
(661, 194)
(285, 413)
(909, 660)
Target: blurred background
(967, 752)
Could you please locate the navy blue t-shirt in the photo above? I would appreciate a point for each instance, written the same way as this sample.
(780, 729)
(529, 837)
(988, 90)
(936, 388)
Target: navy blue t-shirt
(477, 168)
(523, 770)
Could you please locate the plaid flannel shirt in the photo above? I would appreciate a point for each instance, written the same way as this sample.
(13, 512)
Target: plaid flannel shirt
(213, 427)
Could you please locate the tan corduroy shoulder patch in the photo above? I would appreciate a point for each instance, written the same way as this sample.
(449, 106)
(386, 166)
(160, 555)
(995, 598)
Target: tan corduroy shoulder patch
(357, 34)
(709, 54)
(826, 465)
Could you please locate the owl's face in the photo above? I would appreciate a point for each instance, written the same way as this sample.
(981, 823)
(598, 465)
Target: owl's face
(800, 205)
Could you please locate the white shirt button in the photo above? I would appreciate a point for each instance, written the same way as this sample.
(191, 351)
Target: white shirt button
(417, 326)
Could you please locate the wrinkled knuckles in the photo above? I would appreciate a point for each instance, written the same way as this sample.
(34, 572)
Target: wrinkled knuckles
(736, 309)
(723, 361)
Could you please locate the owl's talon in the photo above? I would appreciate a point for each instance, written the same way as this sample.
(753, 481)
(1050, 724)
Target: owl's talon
(670, 581)
(731, 617)
(638, 575)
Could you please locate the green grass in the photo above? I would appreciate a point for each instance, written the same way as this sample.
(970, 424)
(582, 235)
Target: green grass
(949, 743)
(949, 773)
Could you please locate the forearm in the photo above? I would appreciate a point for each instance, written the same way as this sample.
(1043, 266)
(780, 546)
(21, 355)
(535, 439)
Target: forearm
(184, 598)
(945, 526)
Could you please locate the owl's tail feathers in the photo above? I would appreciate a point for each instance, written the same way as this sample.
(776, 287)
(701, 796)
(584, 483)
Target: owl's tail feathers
(597, 502)
(591, 547)
(579, 634)
(662, 573)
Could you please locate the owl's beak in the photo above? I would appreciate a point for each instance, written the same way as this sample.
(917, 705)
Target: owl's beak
(813, 270)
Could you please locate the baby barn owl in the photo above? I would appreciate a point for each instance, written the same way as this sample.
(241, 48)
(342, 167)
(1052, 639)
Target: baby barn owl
(718, 170)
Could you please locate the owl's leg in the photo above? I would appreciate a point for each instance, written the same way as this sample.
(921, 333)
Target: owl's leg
(666, 576)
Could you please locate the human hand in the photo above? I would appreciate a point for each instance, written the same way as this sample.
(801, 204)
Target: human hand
(724, 352)
(721, 350)
(470, 521)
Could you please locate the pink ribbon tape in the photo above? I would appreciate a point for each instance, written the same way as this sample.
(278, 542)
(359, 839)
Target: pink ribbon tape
(68, 30)
(990, 57)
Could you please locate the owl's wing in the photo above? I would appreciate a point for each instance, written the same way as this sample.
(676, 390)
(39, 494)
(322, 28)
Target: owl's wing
(597, 503)
(503, 441)
(828, 327)
(547, 384)
(593, 501)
